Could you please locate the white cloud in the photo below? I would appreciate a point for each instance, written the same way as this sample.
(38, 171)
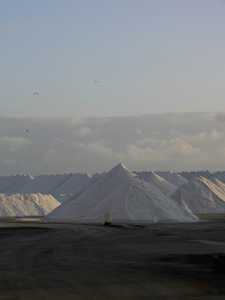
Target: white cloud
(84, 131)
(220, 117)
(181, 147)
(187, 141)
(14, 143)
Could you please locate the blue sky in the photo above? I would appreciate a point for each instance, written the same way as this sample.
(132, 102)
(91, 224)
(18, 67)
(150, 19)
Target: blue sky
(119, 57)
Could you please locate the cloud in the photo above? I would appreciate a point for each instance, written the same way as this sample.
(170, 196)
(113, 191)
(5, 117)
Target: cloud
(84, 131)
(169, 153)
(14, 143)
(220, 117)
(170, 141)
(182, 148)
(99, 149)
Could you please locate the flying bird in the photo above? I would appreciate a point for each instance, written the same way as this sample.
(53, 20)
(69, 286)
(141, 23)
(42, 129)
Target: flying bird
(36, 94)
(97, 82)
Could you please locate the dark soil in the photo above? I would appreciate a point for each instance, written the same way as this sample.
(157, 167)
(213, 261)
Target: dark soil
(163, 261)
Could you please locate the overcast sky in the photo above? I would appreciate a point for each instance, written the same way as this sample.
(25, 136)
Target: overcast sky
(121, 57)
(190, 141)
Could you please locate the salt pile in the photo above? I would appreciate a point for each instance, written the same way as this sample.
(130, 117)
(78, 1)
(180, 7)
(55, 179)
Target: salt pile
(21, 205)
(121, 196)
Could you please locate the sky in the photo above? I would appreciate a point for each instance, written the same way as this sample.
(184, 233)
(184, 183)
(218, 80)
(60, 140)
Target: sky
(79, 58)
(175, 141)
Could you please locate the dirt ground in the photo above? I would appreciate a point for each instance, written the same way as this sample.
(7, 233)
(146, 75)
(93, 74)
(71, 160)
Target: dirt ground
(69, 261)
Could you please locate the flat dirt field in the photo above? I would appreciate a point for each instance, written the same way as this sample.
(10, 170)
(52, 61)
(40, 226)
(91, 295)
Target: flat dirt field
(69, 261)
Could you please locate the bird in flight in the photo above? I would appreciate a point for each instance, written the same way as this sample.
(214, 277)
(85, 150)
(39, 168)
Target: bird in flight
(97, 82)
(36, 94)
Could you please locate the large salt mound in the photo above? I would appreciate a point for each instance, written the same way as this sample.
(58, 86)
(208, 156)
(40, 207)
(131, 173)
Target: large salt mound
(161, 183)
(73, 185)
(174, 178)
(13, 184)
(44, 184)
(19, 205)
(61, 186)
(202, 195)
(121, 196)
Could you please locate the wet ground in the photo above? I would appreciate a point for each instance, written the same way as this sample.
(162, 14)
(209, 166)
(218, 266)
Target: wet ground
(68, 261)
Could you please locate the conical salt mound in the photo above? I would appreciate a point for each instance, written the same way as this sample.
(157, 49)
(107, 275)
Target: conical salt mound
(120, 196)
(162, 184)
(202, 195)
(174, 178)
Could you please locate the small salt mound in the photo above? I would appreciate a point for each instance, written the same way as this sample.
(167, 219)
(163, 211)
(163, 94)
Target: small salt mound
(21, 205)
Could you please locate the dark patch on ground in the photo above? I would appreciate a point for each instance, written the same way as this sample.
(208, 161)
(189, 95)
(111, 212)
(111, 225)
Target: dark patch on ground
(21, 231)
(160, 261)
(215, 262)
